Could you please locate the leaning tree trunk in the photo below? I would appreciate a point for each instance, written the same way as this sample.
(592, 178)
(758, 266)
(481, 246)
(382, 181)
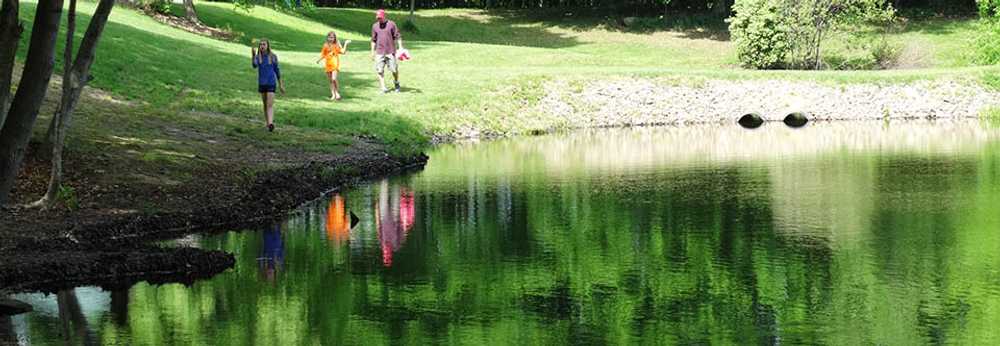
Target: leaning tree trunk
(30, 93)
(10, 37)
(75, 78)
(74, 323)
(189, 11)
(55, 132)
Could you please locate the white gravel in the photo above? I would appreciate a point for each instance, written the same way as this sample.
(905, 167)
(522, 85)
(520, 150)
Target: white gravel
(635, 102)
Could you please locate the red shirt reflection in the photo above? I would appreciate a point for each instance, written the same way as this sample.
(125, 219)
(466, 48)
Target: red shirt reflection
(396, 214)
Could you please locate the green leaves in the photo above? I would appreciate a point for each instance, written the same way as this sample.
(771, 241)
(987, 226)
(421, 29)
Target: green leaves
(789, 33)
(988, 8)
(760, 33)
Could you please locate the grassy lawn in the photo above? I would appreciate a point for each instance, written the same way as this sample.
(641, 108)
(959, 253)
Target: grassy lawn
(471, 69)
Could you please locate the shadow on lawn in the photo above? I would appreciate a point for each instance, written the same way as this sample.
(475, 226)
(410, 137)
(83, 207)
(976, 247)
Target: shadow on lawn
(471, 27)
(282, 37)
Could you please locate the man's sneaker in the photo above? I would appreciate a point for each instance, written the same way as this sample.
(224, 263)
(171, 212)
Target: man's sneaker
(397, 87)
(385, 90)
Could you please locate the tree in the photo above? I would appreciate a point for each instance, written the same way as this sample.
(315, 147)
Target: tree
(75, 78)
(10, 37)
(813, 20)
(31, 91)
(766, 32)
(189, 11)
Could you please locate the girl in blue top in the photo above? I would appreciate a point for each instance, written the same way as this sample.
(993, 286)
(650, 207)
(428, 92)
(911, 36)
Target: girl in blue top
(268, 76)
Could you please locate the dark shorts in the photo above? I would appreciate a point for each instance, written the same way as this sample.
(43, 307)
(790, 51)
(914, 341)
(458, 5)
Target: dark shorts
(266, 88)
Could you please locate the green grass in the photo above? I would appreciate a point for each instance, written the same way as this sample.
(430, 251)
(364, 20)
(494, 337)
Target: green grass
(991, 117)
(472, 69)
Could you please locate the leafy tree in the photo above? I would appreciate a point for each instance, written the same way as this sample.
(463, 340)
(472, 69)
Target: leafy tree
(760, 33)
(790, 33)
(988, 8)
(988, 41)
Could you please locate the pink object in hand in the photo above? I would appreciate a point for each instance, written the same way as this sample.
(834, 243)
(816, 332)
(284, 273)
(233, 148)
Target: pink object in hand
(403, 55)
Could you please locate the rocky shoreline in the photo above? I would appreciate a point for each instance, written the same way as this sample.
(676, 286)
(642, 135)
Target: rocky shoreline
(638, 102)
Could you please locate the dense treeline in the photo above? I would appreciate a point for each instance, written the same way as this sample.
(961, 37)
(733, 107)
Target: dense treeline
(621, 6)
(722, 8)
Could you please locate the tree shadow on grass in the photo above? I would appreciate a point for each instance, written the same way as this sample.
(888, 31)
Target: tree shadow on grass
(937, 26)
(468, 27)
(250, 27)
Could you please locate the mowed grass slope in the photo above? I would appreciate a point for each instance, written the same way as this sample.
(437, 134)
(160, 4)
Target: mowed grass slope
(471, 69)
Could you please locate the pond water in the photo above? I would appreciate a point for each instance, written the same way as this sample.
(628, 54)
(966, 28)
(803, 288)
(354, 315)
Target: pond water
(837, 233)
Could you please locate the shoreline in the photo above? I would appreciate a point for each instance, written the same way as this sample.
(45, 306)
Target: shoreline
(117, 251)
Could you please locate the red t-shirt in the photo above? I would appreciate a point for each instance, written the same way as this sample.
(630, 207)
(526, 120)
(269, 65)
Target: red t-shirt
(385, 35)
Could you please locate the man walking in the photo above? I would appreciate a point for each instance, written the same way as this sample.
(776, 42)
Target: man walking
(385, 37)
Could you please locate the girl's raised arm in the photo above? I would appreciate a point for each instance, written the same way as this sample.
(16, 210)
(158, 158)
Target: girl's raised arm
(345, 46)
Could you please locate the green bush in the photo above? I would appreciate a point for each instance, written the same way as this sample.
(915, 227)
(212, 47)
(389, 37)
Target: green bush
(67, 195)
(988, 42)
(760, 33)
(988, 8)
(158, 6)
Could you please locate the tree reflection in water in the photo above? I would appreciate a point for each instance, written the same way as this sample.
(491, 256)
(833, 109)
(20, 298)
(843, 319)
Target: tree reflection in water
(646, 236)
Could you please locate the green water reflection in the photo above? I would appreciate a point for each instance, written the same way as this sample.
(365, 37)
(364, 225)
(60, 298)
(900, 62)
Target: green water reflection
(841, 234)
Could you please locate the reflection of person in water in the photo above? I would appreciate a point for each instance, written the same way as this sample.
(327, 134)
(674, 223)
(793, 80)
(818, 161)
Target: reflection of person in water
(272, 253)
(395, 218)
(406, 211)
(338, 226)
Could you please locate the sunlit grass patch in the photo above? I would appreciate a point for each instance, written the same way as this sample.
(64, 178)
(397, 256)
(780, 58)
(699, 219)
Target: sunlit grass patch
(991, 117)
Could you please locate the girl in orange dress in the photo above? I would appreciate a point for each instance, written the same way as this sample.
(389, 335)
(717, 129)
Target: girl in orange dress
(331, 54)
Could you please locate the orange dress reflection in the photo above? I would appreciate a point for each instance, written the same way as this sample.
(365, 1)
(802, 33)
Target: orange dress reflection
(338, 227)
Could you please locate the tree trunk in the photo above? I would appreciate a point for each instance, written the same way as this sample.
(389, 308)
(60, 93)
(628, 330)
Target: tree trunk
(190, 12)
(413, 7)
(75, 78)
(30, 93)
(8, 335)
(10, 37)
(721, 8)
(74, 323)
(54, 134)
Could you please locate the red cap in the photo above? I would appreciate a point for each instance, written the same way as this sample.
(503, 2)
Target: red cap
(380, 14)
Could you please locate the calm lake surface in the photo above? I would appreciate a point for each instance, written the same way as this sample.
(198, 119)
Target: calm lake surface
(838, 233)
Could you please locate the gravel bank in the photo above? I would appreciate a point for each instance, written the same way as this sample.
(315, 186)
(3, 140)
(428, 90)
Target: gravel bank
(628, 102)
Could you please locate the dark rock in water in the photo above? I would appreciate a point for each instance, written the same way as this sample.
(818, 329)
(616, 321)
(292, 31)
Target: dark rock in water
(796, 120)
(10, 307)
(354, 220)
(751, 121)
